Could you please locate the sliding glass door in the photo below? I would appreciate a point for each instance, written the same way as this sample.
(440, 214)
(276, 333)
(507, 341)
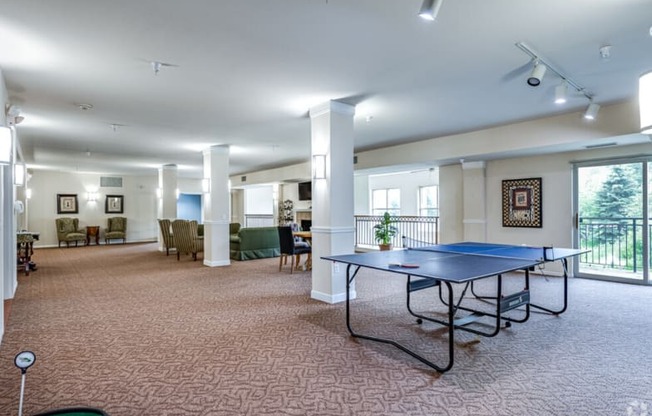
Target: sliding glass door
(612, 221)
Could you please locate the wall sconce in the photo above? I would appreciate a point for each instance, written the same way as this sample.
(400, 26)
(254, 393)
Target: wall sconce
(319, 166)
(19, 174)
(206, 185)
(92, 196)
(28, 193)
(159, 193)
(6, 149)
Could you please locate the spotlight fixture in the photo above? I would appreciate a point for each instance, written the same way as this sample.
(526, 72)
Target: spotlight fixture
(591, 111)
(537, 74)
(430, 9)
(560, 93)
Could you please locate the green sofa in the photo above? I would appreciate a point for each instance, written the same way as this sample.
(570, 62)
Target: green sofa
(253, 242)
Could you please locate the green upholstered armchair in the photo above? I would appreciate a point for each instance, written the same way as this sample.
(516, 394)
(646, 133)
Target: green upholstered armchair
(166, 234)
(186, 239)
(116, 230)
(68, 231)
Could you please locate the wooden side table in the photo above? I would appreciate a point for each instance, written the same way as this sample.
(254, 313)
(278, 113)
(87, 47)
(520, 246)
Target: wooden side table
(93, 231)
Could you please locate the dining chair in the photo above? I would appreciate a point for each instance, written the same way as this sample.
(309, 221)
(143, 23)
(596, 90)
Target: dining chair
(290, 248)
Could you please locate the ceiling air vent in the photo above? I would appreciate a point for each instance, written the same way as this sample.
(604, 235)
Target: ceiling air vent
(596, 146)
(110, 182)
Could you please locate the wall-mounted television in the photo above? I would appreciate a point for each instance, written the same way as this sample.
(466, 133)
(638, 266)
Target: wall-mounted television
(305, 191)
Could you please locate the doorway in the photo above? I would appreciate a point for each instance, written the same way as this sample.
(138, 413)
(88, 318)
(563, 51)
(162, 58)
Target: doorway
(612, 221)
(189, 207)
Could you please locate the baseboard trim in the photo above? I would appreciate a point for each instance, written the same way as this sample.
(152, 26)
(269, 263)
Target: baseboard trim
(217, 263)
(332, 299)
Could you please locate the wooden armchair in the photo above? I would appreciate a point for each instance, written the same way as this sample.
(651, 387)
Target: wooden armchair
(166, 234)
(186, 239)
(68, 231)
(116, 230)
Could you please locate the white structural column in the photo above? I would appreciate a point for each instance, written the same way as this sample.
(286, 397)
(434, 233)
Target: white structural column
(167, 194)
(475, 196)
(332, 199)
(216, 207)
(7, 261)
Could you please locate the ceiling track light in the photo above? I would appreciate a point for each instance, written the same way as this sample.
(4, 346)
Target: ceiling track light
(537, 74)
(536, 57)
(560, 93)
(591, 111)
(430, 9)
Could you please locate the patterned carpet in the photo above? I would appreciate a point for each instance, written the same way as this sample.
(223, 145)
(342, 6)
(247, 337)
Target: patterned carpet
(134, 332)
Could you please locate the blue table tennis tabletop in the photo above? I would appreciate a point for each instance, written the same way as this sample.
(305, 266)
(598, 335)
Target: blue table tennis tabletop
(456, 263)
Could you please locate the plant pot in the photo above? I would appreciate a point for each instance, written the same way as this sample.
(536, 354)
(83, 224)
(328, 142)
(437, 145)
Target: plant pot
(385, 247)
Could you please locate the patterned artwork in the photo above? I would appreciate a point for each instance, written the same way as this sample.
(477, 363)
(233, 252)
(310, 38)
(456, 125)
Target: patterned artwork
(522, 203)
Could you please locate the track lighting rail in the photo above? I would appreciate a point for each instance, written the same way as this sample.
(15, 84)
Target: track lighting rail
(536, 57)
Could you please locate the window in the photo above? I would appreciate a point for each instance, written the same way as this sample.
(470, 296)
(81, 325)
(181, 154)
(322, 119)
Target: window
(429, 201)
(386, 200)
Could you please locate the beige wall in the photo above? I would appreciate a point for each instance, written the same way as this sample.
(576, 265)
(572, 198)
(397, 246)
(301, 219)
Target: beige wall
(139, 204)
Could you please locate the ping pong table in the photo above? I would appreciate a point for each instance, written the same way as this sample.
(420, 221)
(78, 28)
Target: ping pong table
(455, 265)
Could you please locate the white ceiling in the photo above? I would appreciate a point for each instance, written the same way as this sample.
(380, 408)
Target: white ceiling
(247, 71)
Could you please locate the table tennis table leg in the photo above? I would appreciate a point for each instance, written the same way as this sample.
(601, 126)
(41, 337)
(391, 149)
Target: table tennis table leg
(564, 263)
(502, 306)
(451, 327)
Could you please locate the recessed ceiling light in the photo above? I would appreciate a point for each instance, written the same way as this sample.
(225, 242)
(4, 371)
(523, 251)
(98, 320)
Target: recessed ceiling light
(85, 107)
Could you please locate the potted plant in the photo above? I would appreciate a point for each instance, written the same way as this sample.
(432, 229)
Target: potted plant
(384, 231)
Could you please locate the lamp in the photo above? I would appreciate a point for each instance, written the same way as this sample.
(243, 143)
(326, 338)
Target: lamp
(645, 102)
(591, 111)
(5, 145)
(206, 185)
(560, 93)
(537, 74)
(430, 9)
(19, 174)
(319, 166)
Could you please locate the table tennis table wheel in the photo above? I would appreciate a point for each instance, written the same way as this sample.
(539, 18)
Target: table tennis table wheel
(419, 321)
(508, 324)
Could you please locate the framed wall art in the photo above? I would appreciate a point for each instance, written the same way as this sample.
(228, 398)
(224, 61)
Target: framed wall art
(114, 204)
(522, 203)
(67, 204)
